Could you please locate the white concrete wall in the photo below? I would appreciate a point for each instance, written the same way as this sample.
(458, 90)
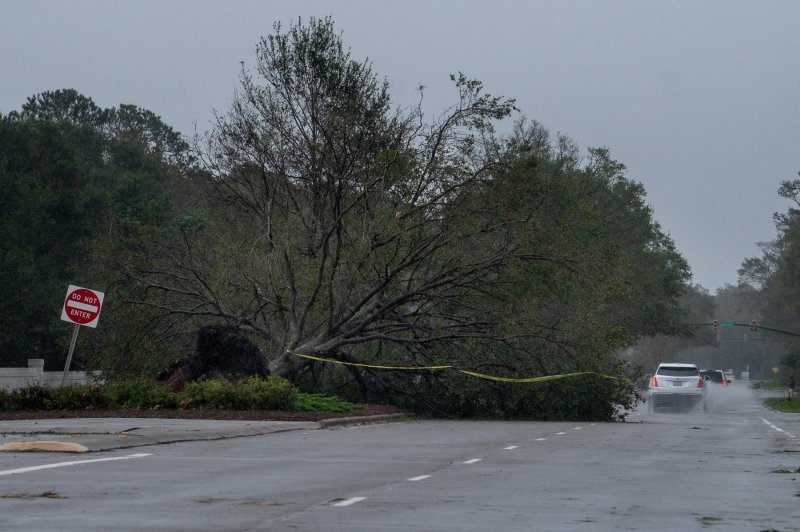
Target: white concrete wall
(13, 378)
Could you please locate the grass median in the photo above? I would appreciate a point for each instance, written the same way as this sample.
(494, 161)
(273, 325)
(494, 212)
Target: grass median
(782, 404)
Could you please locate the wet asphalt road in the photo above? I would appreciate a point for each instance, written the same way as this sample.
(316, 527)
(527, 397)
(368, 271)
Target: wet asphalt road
(731, 469)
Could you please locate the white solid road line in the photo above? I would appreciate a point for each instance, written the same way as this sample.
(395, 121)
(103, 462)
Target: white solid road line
(72, 463)
(472, 461)
(348, 502)
(511, 447)
(778, 428)
(416, 479)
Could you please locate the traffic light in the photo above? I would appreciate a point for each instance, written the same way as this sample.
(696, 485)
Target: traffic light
(715, 325)
(753, 325)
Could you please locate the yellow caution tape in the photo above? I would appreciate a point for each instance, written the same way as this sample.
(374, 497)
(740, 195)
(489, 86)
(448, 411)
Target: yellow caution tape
(464, 371)
(409, 368)
(536, 379)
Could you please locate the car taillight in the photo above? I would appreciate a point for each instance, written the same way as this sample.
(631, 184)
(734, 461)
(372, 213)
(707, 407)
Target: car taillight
(724, 383)
(653, 382)
(700, 383)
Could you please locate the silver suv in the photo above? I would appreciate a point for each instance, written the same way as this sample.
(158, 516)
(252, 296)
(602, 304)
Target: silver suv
(676, 385)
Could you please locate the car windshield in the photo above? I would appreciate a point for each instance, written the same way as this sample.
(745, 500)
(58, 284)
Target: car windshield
(678, 371)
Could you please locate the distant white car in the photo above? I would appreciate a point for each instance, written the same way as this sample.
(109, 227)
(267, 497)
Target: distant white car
(676, 385)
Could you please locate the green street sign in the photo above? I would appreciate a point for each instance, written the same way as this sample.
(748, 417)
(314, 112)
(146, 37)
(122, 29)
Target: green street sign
(727, 324)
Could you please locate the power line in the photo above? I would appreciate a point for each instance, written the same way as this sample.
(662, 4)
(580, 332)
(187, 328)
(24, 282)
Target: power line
(752, 326)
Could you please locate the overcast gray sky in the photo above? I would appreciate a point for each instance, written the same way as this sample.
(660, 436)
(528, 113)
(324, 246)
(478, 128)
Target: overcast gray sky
(701, 100)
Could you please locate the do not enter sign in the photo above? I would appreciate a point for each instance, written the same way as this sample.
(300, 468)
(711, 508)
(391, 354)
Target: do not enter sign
(82, 306)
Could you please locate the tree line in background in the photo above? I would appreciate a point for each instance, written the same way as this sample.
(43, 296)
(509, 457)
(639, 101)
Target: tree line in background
(768, 294)
(315, 218)
(772, 280)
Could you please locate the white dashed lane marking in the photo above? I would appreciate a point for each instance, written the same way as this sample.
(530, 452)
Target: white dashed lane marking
(348, 502)
(778, 428)
(71, 463)
(354, 500)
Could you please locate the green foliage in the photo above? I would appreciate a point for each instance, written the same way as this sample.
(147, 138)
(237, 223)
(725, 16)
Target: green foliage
(139, 393)
(272, 393)
(791, 359)
(319, 402)
(324, 222)
(699, 303)
(64, 106)
(210, 393)
(137, 353)
(771, 280)
(578, 398)
(33, 397)
(84, 188)
(255, 393)
(80, 397)
(587, 247)
(129, 126)
(50, 205)
(8, 400)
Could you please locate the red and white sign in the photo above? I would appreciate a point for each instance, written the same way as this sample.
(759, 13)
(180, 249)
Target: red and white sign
(82, 306)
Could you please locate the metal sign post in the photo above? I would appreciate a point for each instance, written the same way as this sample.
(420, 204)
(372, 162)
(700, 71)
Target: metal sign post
(69, 355)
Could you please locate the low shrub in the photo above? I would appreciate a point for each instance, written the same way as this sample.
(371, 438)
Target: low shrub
(80, 397)
(327, 403)
(143, 394)
(255, 393)
(272, 393)
(33, 397)
(8, 400)
(211, 394)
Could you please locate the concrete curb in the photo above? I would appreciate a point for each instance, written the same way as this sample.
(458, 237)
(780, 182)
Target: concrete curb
(95, 439)
(86, 438)
(359, 420)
